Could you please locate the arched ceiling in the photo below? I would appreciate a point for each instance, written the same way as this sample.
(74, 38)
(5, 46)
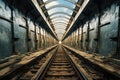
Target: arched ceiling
(60, 13)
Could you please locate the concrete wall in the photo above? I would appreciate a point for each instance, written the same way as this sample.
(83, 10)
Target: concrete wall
(107, 46)
(22, 43)
(20, 32)
(85, 35)
(108, 31)
(5, 30)
(92, 34)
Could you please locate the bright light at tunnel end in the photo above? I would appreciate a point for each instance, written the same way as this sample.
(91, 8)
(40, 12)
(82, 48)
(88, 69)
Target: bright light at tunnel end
(60, 42)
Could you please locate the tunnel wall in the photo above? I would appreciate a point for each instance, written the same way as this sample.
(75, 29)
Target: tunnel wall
(19, 36)
(5, 30)
(107, 45)
(20, 32)
(92, 42)
(108, 33)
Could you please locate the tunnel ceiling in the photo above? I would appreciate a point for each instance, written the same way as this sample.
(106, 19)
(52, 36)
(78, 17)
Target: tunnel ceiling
(60, 13)
(88, 13)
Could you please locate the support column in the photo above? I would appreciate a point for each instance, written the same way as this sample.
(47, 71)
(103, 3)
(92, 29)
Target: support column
(118, 36)
(68, 43)
(35, 36)
(12, 29)
(44, 38)
(87, 40)
(78, 37)
(27, 34)
(72, 40)
(75, 39)
(47, 39)
(98, 28)
(82, 37)
(39, 37)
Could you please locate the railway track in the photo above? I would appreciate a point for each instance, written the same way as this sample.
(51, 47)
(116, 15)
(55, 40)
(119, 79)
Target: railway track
(91, 70)
(61, 68)
(60, 64)
(51, 66)
(29, 70)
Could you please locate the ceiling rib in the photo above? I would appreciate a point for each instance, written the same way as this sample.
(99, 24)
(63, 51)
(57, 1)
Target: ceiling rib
(64, 6)
(60, 14)
(60, 17)
(62, 25)
(60, 20)
(49, 1)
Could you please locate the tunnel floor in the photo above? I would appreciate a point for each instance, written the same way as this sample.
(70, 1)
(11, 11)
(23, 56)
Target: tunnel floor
(60, 62)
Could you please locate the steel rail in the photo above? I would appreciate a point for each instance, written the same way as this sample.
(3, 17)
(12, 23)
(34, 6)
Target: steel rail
(49, 63)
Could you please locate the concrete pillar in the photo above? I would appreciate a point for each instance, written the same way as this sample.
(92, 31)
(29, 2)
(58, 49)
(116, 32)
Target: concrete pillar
(35, 36)
(74, 39)
(44, 44)
(98, 28)
(27, 34)
(39, 37)
(78, 41)
(117, 55)
(12, 29)
(82, 37)
(87, 40)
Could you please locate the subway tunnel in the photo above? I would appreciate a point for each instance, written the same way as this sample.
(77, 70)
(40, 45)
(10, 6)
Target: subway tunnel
(59, 39)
